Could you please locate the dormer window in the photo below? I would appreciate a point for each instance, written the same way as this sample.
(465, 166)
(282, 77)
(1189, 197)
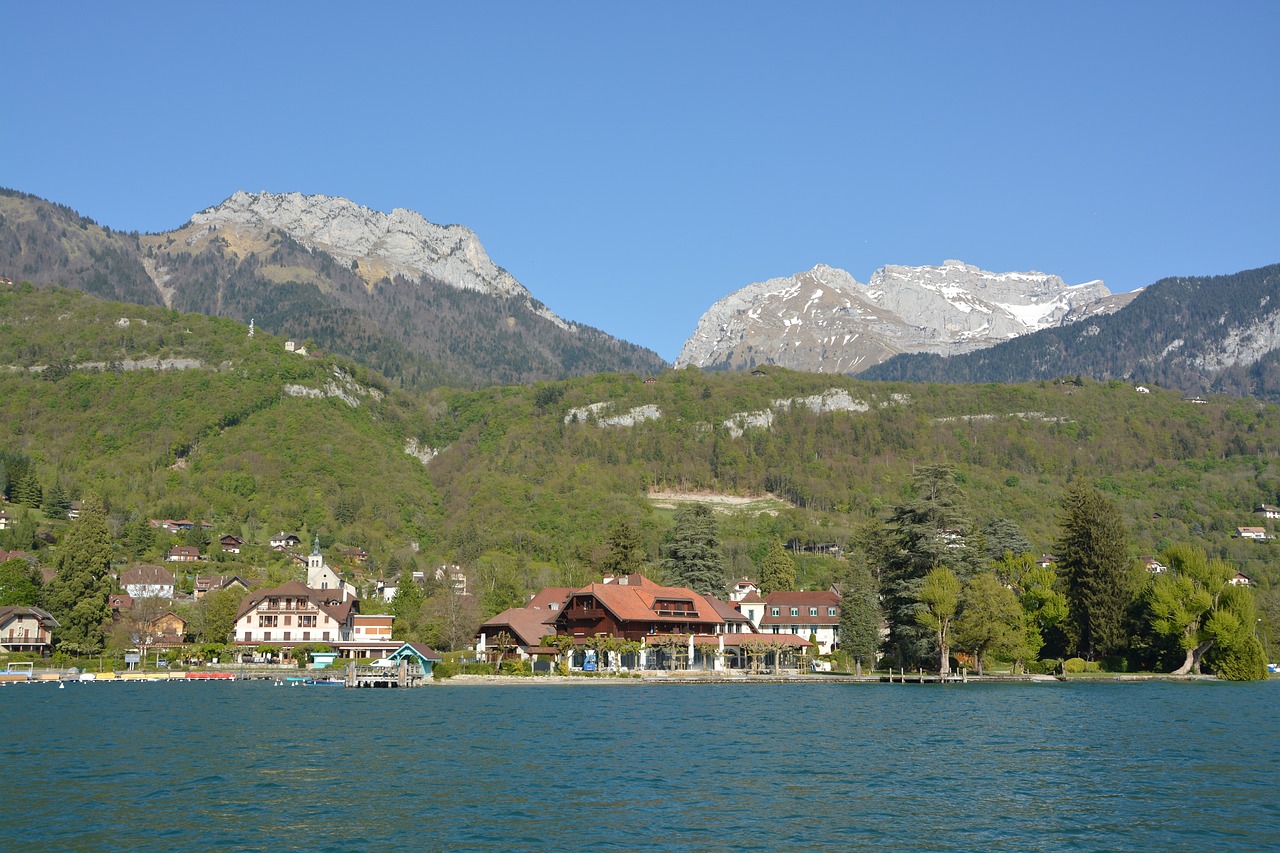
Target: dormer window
(795, 611)
(813, 611)
(776, 611)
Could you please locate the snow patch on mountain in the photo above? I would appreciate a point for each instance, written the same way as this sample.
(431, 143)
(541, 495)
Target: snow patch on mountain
(824, 320)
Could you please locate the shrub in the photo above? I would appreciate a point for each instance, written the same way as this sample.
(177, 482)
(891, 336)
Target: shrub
(562, 668)
(515, 667)
(1244, 662)
(1042, 667)
(444, 669)
(1073, 665)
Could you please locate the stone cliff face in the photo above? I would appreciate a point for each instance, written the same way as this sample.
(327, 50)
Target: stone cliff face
(824, 320)
(380, 245)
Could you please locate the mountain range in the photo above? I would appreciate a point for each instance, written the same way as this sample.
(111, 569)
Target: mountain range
(425, 305)
(417, 301)
(1218, 334)
(824, 321)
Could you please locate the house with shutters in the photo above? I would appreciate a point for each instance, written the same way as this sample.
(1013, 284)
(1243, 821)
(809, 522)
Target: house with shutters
(26, 629)
(147, 582)
(805, 614)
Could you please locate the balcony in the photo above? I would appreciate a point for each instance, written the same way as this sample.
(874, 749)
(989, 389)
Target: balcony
(587, 613)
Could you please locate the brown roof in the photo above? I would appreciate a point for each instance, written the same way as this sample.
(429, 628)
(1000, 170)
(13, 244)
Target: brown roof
(146, 576)
(727, 611)
(11, 611)
(528, 627)
(548, 596)
(323, 598)
(802, 601)
(752, 597)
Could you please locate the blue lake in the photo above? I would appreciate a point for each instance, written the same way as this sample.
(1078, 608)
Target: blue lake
(251, 766)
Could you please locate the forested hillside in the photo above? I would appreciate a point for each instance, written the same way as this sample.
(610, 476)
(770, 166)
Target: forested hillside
(1217, 334)
(521, 485)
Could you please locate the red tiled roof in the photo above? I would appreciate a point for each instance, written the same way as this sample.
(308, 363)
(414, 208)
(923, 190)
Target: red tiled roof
(632, 602)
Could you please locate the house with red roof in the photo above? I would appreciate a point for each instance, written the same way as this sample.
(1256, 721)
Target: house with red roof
(293, 614)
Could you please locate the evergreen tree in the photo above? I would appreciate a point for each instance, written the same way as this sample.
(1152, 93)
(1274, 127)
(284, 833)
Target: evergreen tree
(691, 555)
(859, 614)
(626, 552)
(778, 571)
(28, 491)
(1093, 559)
(406, 604)
(1001, 536)
(78, 594)
(926, 533)
(56, 502)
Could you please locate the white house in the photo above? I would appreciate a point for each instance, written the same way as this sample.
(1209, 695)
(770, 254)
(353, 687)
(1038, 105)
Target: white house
(1267, 511)
(1258, 534)
(805, 614)
(147, 582)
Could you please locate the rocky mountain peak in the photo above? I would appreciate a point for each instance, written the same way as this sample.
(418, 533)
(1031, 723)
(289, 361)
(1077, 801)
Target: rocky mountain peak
(381, 245)
(824, 320)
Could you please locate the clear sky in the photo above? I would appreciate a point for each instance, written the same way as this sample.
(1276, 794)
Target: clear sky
(632, 163)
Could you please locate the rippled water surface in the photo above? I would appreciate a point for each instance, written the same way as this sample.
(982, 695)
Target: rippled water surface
(251, 766)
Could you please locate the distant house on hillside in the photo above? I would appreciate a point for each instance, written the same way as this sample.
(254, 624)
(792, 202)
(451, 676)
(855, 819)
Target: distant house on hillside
(147, 582)
(5, 520)
(1258, 534)
(1267, 511)
(1240, 579)
(283, 540)
(231, 544)
(1153, 565)
(183, 554)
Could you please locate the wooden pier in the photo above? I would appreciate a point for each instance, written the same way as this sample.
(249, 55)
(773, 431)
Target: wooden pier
(385, 677)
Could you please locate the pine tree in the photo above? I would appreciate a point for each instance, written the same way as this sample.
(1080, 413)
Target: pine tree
(78, 594)
(626, 552)
(859, 614)
(1093, 560)
(778, 571)
(691, 556)
(926, 533)
(56, 502)
(28, 491)
(406, 604)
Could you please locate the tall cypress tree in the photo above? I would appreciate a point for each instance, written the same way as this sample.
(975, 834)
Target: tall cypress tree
(778, 571)
(626, 552)
(1093, 560)
(78, 594)
(859, 613)
(691, 556)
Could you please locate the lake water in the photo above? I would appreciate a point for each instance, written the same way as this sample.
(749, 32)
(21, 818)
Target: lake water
(1019, 767)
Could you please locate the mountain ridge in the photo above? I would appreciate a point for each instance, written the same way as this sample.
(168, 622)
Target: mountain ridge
(824, 320)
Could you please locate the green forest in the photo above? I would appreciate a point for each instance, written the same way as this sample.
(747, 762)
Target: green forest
(520, 485)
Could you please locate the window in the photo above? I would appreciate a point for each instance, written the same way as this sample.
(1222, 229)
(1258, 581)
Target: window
(266, 635)
(286, 634)
(307, 621)
(326, 636)
(813, 611)
(306, 635)
(288, 619)
(267, 621)
(831, 611)
(795, 611)
(776, 611)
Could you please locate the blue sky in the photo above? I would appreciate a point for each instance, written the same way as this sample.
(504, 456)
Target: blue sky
(631, 164)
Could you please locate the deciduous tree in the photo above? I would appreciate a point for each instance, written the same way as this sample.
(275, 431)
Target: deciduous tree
(990, 620)
(938, 601)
